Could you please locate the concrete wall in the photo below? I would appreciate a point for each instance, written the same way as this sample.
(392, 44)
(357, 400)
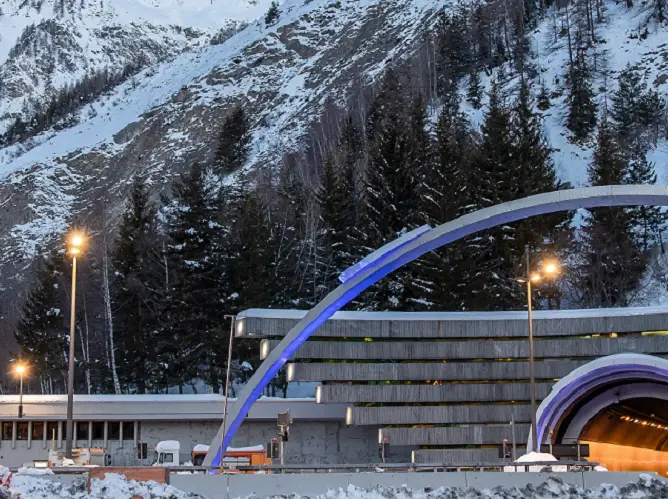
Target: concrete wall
(457, 456)
(478, 325)
(487, 392)
(463, 350)
(463, 371)
(313, 442)
(311, 485)
(437, 414)
(461, 435)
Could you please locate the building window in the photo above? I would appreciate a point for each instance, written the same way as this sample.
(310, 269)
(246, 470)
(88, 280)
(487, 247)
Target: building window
(128, 430)
(52, 430)
(6, 431)
(114, 430)
(22, 431)
(98, 430)
(37, 430)
(82, 430)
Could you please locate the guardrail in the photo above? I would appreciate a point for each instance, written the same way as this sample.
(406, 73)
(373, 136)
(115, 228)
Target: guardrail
(365, 468)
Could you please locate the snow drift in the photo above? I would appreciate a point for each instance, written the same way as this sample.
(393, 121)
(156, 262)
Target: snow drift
(116, 487)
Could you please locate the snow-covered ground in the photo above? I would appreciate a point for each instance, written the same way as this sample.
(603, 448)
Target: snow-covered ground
(116, 487)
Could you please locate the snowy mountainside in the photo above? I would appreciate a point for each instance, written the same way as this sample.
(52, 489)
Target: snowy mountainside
(46, 45)
(170, 114)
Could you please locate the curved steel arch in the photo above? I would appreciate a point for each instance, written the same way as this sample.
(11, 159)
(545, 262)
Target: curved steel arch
(572, 388)
(399, 255)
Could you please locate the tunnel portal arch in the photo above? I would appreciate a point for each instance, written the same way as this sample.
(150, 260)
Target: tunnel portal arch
(586, 392)
(406, 249)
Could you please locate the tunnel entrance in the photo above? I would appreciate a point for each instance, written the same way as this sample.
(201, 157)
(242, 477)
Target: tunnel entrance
(619, 406)
(630, 436)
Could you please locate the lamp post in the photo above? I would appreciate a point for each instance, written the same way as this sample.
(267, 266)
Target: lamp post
(549, 268)
(20, 370)
(227, 382)
(76, 242)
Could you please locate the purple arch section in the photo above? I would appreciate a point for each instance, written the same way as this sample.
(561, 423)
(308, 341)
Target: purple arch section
(552, 412)
(396, 256)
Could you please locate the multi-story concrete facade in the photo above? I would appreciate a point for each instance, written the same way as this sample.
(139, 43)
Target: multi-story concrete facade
(444, 387)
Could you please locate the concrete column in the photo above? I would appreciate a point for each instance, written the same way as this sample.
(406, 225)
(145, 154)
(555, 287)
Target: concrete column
(90, 434)
(14, 430)
(74, 432)
(29, 434)
(120, 433)
(60, 434)
(45, 437)
(106, 433)
(136, 432)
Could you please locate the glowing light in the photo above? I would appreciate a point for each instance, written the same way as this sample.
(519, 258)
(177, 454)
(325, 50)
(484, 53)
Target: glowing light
(535, 277)
(20, 369)
(76, 242)
(550, 268)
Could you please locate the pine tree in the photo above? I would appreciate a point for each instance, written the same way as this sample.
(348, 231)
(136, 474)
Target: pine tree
(581, 118)
(391, 184)
(233, 143)
(192, 341)
(543, 102)
(535, 174)
(453, 48)
(42, 332)
(444, 196)
(491, 254)
(612, 261)
(634, 112)
(474, 93)
(338, 197)
(135, 290)
(272, 14)
(648, 222)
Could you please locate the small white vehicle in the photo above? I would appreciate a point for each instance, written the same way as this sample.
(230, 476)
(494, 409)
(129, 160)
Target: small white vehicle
(167, 453)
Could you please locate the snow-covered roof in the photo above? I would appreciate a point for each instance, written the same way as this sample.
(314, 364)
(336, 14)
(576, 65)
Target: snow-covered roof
(168, 446)
(458, 316)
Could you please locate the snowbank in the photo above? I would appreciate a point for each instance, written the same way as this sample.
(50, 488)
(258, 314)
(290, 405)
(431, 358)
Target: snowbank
(116, 487)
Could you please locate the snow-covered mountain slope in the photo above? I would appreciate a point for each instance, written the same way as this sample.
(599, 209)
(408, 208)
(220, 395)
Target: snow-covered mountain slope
(170, 114)
(46, 45)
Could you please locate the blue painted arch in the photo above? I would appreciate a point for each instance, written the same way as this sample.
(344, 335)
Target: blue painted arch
(396, 255)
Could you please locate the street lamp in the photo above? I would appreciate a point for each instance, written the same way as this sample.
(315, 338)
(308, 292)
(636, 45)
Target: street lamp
(549, 268)
(75, 247)
(20, 370)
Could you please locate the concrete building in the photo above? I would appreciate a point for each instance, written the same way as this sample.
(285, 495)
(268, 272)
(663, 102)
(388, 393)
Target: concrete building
(119, 423)
(444, 387)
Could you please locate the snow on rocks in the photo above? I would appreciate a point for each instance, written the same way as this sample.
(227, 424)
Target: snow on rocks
(115, 486)
(647, 487)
